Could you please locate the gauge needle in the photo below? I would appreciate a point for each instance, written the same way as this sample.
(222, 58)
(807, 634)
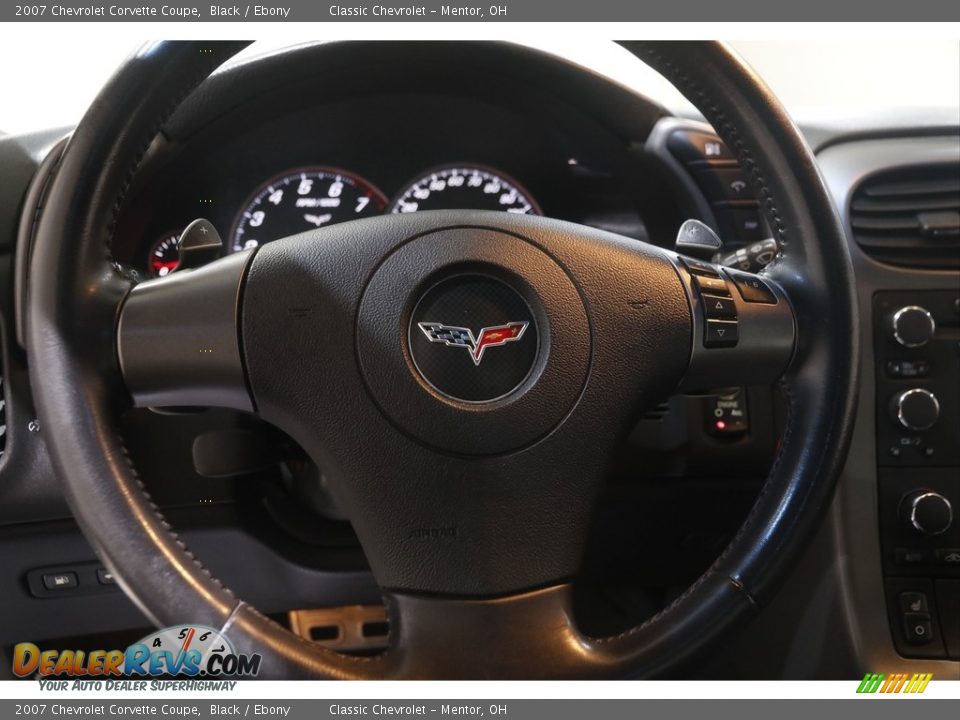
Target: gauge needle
(187, 639)
(318, 220)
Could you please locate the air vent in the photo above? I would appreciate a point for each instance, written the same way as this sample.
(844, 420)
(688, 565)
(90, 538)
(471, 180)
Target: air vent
(910, 216)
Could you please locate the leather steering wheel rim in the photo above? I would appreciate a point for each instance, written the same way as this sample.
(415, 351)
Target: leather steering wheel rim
(74, 298)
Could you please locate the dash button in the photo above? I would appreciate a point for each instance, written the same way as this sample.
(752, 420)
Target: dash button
(60, 581)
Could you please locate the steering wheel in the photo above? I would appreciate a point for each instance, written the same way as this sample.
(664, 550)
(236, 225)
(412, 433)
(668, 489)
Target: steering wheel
(463, 379)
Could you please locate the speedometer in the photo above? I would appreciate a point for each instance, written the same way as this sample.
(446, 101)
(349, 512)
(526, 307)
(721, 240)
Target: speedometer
(301, 200)
(465, 187)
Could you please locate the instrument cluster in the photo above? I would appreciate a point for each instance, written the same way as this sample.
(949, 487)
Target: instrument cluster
(311, 197)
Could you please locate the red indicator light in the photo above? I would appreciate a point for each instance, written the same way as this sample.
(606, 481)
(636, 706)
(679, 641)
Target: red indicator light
(721, 425)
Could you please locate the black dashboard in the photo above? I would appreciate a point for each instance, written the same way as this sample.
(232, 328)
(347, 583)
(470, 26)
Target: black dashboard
(345, 159)
(430, 128)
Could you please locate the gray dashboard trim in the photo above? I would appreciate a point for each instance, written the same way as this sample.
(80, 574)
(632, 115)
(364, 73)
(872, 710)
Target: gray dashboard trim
(854, 515)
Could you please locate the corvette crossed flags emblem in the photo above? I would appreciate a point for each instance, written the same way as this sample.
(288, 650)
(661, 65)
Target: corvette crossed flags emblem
(461, 337)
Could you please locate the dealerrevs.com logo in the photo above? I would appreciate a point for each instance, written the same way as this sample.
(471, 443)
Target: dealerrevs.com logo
(191, 651)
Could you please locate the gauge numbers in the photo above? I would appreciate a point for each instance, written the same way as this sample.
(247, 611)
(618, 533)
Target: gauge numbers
(302, 200)
(465, 187)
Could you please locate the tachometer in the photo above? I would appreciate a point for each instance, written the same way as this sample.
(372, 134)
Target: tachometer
(302, 200)
(465, 187)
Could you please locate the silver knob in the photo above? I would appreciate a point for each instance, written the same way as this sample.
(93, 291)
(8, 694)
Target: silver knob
(928, 512)
(913, 326)
(916, 409)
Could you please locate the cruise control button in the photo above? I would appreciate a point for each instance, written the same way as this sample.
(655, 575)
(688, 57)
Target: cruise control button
(720, 333)
(717, 307)
(714, 286)
(752, 288)
(698, 267)
(59, 581)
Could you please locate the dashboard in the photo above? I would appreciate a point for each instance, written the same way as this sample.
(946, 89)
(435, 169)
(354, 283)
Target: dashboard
(265, 171)
(331, 133)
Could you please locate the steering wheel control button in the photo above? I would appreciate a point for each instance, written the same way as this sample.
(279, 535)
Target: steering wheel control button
(752, 258)
(918, 629)
(105, 577)
(751, 288)
(60, 581)
(913, 326)
(473, 338)
(720, 333)
(718, 307)
(916, 409)
(714, 286)
(698, 267)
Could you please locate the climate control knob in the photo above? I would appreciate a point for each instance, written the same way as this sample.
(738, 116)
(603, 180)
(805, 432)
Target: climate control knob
(927, 512)
(913, 326)
(915, 409)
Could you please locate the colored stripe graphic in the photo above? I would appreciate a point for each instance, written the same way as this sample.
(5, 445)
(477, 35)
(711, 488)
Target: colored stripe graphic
(919, 682)
(894, 683)
(870, 683)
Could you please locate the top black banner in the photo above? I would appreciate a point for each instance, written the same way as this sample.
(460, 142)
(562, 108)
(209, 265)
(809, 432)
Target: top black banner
(496, 11)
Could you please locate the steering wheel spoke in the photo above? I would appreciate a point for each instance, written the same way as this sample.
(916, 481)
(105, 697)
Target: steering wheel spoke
(178, 340)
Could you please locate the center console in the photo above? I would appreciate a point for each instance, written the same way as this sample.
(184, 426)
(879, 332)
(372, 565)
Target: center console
(917, 372)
